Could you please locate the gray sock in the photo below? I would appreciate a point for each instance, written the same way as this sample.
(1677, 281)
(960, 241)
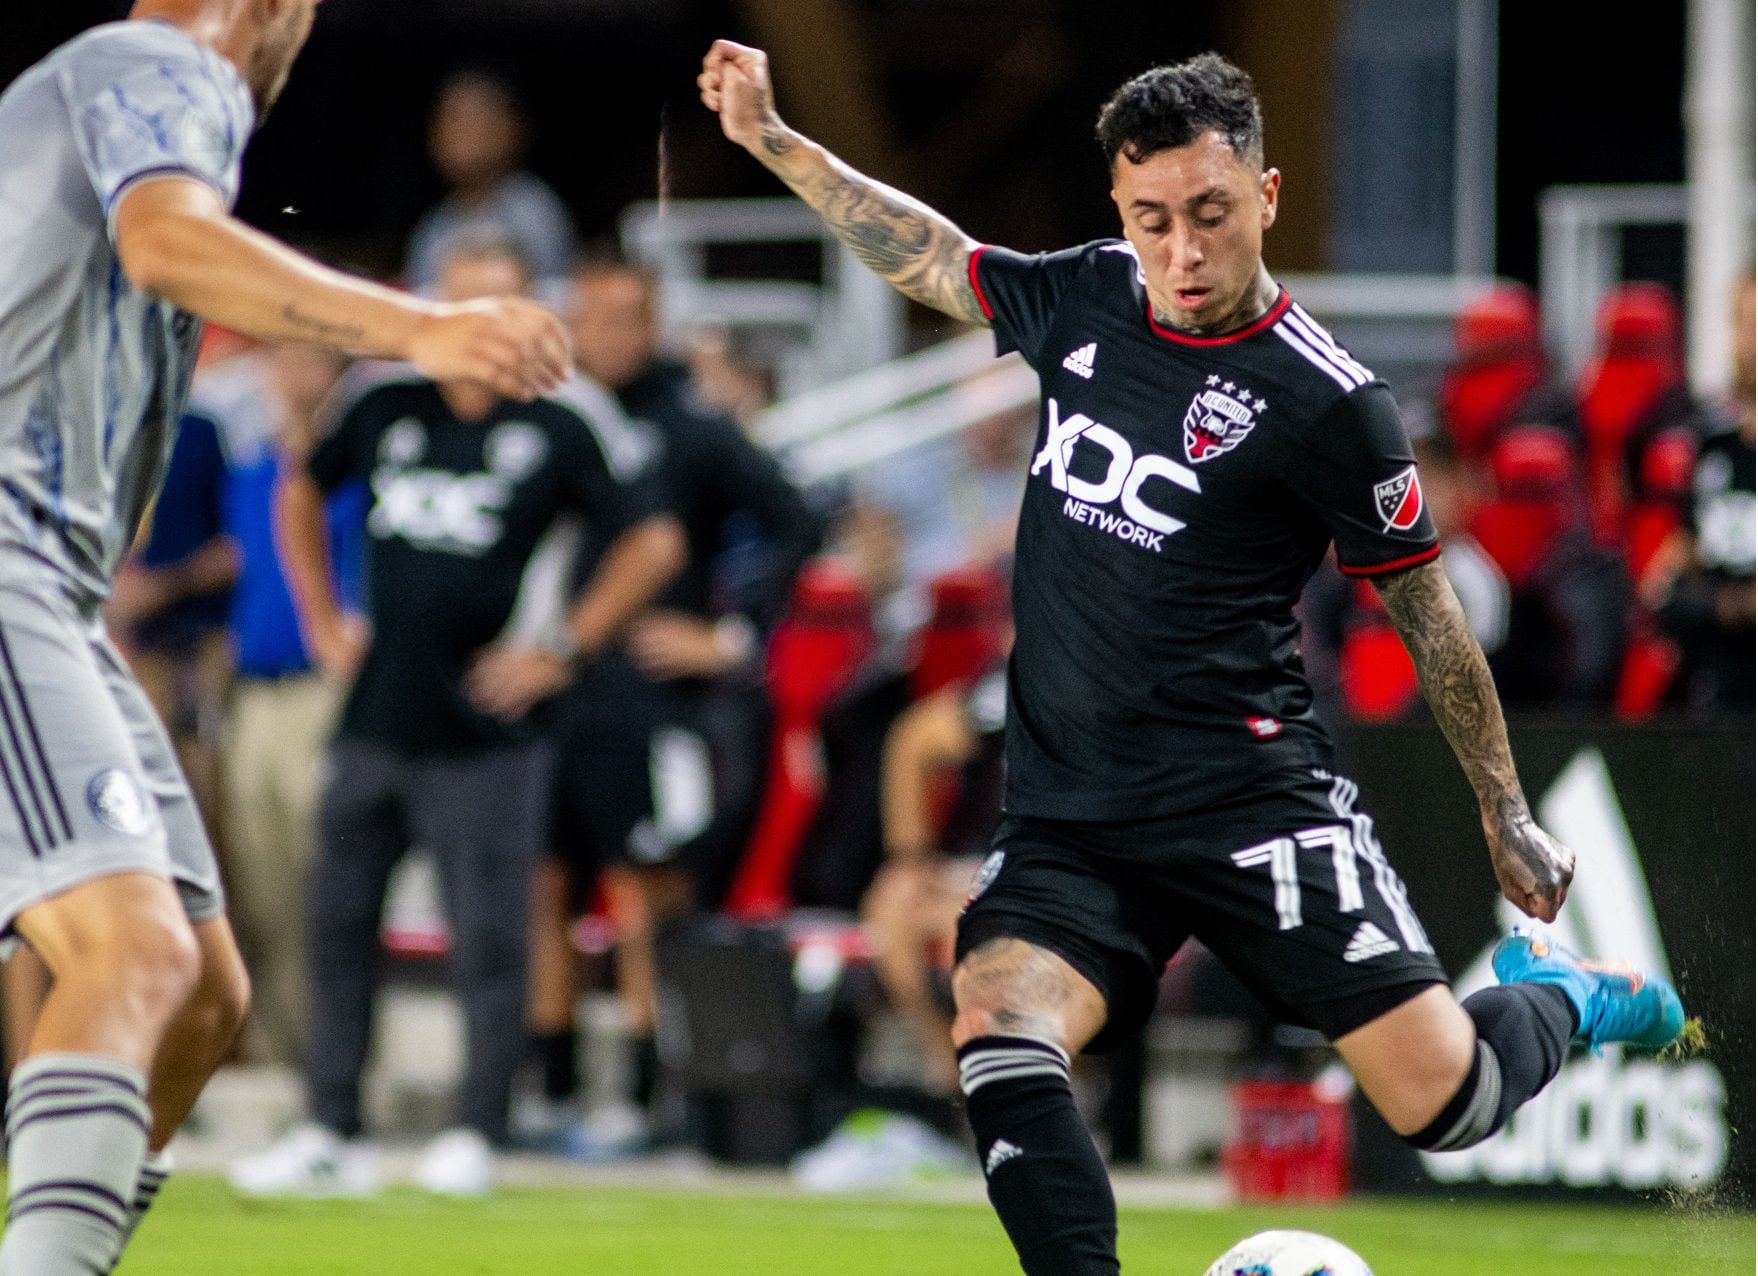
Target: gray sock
(77, 1129)
(153, 1173)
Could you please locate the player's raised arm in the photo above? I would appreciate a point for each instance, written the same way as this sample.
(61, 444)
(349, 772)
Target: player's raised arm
(906, 243)
(176, 240)
(1533, 868)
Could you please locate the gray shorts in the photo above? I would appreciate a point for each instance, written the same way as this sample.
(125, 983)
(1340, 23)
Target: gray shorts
(89, 784)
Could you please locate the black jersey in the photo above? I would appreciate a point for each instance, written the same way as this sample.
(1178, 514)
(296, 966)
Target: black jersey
(458, 510)
(1181, 493)
(714, 477)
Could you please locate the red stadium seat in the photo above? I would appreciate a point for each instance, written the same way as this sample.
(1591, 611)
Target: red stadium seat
(965, 632)
(1664, 475)
(1500, 362)
(1375, 672)
(1638, 360)
(1533, 468)
(814, 652)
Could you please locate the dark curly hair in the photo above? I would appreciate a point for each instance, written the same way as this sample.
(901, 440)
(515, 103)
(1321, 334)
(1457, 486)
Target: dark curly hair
(1172, 106)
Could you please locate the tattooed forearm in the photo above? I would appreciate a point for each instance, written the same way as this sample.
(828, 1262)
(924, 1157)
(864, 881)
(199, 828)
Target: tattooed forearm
(1456, 680)
(906, 243)
(321, 329)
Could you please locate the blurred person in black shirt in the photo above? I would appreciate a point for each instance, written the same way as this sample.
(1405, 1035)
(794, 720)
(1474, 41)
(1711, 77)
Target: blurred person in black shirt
(1203, 442)
(434, 748)
(659, 742)
(1703, 585)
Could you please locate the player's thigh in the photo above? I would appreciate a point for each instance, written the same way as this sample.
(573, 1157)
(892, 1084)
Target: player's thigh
(1411, 1060)
(1295, 895)
(76, 799)
(1057, 941)
(194, 867)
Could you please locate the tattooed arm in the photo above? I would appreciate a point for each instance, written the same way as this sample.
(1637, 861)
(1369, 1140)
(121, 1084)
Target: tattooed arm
(906, 243)
(1533, 868)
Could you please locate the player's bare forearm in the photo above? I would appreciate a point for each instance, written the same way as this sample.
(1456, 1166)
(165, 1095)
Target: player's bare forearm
(903, 241)
(639, 564)
(303, 542)
(906, 243)
(1534, 869)
(177, 241)
(1456, 680)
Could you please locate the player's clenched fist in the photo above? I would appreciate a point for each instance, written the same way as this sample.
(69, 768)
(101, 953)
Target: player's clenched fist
(514, 347)
(735, 84)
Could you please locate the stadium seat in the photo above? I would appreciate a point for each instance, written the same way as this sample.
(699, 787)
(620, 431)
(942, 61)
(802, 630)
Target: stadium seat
(1500, 363)
(965, 630)
(1377, 675)
(1636, 362)
(1664, 472)
(812, 656)
(1533, 470)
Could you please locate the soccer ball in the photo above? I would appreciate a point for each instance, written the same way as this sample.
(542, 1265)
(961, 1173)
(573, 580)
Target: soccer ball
(1285, 1253)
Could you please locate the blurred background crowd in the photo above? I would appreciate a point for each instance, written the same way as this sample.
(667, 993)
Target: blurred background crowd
(829, 674)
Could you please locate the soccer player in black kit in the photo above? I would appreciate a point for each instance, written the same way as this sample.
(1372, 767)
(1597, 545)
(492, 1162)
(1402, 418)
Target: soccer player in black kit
(1202, 445)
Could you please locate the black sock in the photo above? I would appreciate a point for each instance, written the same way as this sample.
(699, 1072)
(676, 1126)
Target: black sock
(558, 1053)
(643, 1071)
(1044, 1175)
(1523, 1033)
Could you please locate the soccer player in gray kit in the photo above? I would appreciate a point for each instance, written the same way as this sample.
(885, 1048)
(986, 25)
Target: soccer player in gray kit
(119, 164)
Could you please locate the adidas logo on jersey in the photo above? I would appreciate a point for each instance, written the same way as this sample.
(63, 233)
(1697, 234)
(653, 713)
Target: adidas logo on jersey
(1000, 1153)
(1080, 362)
(1369, 942)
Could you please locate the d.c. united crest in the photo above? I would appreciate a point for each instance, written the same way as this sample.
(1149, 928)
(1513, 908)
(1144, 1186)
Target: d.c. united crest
(1400, 500)
(1218, 420)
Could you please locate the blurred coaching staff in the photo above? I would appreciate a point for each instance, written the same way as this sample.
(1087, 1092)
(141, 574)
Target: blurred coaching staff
(1203, 443)
(431, 749)
(660, 741)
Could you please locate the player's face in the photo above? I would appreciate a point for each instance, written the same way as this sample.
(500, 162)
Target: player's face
(285, 25)
(1196, 216)
(615, 327)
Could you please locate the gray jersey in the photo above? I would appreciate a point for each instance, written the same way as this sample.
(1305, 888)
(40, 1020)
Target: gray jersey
(93, 371)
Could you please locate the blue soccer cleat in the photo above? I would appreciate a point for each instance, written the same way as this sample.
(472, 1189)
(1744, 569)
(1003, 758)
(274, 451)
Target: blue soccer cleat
(1613, 1003)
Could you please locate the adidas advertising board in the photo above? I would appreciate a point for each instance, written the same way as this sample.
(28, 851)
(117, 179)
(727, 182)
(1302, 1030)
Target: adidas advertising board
(1661, 820)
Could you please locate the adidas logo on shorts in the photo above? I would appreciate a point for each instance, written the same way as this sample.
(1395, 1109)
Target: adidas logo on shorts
(1369, 942)
(1080, 362)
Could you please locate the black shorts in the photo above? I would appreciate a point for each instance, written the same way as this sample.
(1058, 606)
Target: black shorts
(1289, 888)
(634, 784)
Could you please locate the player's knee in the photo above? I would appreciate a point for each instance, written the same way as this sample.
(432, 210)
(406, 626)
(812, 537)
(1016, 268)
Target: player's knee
(154, 965)
(1474, 1112)
(225, 992)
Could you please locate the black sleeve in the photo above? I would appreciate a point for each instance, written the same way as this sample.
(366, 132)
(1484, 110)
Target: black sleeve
(756, 488)
(1354, 470)
(1019, 293)
(612, 499)
(346, 451)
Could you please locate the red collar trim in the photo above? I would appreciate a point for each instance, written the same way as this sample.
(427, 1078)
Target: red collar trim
(1275, 312)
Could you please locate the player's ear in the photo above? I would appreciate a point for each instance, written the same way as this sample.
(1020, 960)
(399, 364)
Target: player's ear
(1271, 183)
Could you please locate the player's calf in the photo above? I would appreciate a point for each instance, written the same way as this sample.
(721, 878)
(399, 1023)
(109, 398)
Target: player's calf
(124, 963)
(1022, 1011)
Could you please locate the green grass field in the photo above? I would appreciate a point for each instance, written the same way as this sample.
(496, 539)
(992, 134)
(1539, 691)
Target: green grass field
(199, 1226)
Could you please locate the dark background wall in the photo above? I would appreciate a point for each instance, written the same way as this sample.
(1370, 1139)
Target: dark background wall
(983, 106)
